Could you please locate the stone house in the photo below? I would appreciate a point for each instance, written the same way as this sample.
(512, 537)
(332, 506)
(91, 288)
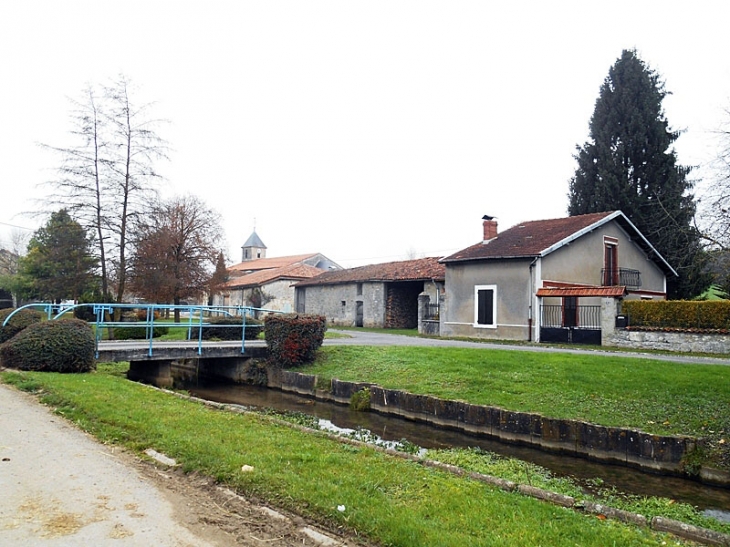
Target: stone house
(263, 282)
(378, 295)
(551, 280)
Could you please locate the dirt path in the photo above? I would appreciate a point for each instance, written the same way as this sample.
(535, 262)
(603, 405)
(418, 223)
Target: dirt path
(60, 487)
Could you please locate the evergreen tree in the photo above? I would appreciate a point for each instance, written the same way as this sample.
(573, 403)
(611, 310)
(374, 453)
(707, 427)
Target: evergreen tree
(60, 264)
(629, 164)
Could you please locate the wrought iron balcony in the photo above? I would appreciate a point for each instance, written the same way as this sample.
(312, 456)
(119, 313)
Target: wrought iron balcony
(625, 277)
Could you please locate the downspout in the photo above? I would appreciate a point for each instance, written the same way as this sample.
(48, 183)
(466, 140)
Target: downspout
(532, 299)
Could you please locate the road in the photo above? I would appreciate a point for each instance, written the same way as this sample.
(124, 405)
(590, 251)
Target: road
(62, 488)
(366, 338)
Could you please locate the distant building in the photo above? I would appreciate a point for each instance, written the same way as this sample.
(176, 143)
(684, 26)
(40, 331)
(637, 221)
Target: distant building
(268, 283)
(8, 265)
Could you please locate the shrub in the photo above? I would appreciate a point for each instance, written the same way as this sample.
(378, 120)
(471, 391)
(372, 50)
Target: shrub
(360, 400)
(293, 340)
(220, 331)
(19, 321)
(63, 345)
(678, 314)
(137, 332)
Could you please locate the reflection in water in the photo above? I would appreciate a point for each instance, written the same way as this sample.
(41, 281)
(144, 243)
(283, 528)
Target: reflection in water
(716, 501)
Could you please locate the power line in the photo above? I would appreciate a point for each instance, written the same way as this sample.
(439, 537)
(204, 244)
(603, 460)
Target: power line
(16, 226)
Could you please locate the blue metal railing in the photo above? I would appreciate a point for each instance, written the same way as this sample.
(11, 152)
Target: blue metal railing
(195, 318)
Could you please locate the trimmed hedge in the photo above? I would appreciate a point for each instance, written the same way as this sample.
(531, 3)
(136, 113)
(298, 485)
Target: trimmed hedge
(62, 345)
(253, 328)
(294, 339)
(138, 332)
(678, 314)
(19, 321)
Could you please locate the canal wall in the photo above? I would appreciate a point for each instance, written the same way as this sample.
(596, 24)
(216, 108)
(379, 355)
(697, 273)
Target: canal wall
(659, 453)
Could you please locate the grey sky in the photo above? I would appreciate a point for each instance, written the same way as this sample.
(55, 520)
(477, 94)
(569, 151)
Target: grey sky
(366, 131)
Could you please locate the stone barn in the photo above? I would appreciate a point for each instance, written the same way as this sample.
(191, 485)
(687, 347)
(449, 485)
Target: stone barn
(378, 295)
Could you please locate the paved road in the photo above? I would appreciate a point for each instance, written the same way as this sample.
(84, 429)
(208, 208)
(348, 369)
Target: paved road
(61, 488)
(363, 338)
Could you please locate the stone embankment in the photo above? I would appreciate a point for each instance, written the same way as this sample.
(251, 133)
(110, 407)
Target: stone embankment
(658, 453)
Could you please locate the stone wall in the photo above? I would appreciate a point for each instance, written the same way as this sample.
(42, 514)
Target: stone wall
(609, 444)
(670, 341)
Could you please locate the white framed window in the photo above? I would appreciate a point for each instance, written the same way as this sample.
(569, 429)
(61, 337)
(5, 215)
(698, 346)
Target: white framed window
(485, 306)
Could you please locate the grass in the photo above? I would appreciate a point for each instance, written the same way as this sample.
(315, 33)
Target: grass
(612, 390)
(387, 500)
(404, 332)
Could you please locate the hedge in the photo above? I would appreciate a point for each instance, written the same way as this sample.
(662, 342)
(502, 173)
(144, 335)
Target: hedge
(680, 314)
(220, 330)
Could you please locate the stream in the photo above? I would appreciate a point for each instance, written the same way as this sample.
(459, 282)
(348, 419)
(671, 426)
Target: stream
(713, 501)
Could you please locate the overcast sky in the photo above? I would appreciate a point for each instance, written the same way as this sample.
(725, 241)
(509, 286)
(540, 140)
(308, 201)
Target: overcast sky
(367, 131)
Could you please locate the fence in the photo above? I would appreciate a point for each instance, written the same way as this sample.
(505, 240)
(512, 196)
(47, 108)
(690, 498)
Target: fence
(104, 314)
(578, 317)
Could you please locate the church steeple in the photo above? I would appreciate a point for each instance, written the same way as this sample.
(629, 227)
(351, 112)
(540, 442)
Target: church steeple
(253, 248)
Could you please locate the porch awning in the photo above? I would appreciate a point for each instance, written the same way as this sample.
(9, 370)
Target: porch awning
(613, 292)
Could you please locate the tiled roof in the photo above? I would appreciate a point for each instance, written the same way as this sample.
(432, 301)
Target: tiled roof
(268, 263)
(294, 272)
(407, 270)
(530, 239)
(582, 291)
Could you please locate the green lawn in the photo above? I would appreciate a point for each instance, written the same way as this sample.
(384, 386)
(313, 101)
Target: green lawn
(386, 499)
(654, 396)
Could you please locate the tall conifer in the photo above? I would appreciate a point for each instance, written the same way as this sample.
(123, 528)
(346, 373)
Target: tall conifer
(629, 164)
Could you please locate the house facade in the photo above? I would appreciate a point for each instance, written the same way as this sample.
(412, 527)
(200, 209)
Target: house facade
(376, 296)
(551, 280)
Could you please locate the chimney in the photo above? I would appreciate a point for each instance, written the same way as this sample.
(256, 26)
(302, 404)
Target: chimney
(490, 228)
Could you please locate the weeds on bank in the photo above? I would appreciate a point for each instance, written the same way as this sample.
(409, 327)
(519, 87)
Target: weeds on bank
(385, 499)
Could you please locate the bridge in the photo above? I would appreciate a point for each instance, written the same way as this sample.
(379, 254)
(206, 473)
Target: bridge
(153, 360)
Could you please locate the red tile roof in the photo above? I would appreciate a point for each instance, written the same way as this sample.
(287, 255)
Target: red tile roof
(421, 269)
(530, 239)
(268, 263)
(293, 272)
(582, 291)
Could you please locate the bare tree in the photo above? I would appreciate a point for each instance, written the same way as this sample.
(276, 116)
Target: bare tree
(715, 204)
(80, 187)
(107, 176)
(176, 249)
(136, 146)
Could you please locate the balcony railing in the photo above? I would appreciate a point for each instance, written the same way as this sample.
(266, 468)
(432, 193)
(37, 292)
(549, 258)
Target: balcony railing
(625, 277)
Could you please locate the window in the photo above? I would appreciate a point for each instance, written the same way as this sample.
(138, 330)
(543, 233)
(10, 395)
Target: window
(359, 289)
(485, 314)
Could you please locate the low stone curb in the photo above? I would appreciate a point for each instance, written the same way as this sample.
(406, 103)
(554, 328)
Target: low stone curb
(658, 524)
(687, 531)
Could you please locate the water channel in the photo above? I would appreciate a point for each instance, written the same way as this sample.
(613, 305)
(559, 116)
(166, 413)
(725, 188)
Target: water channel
(713, 501)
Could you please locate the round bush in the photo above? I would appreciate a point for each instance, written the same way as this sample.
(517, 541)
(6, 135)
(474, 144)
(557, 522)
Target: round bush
(19, 321)
(63, 345)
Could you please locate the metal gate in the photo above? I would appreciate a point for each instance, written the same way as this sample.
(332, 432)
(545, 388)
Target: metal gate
(570, 324)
